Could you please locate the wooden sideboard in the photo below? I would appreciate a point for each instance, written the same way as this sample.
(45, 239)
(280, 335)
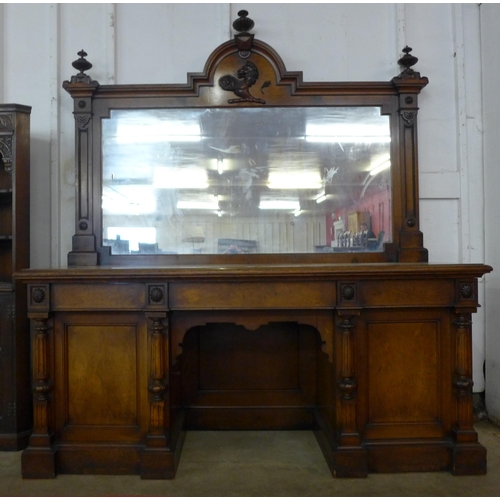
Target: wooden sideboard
(375, 358)
(368, 347)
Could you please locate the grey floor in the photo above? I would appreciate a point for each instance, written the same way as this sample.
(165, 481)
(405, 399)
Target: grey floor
(259, 463)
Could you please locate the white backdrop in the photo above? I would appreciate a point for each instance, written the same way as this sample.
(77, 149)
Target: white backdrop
(161, 43)
(490, 41)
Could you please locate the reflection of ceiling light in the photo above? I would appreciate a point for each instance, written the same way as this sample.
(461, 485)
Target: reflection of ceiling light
(168, 131)
(279, 205)
(350, 133)
(180, 178)
(321, 198)
(297, 212)
(295, 180)
(220, 165)
(380, 167)
(198, 205)
(128, 200)
(374, 139)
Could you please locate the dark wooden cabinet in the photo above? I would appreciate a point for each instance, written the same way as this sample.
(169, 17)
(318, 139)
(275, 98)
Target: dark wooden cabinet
(376, 359)
(15, 391)
(195, 296)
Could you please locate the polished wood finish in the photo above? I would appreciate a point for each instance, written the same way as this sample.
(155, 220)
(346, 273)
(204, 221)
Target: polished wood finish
(376, 358)
(371, 350)
(15, 393)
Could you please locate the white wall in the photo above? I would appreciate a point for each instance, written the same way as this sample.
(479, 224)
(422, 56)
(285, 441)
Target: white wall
(490, 41)
(151, 43)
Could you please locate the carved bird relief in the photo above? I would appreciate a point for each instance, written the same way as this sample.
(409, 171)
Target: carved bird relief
(247, 76)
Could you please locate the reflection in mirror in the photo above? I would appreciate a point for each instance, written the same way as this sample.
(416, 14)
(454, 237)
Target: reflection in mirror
(246, 180)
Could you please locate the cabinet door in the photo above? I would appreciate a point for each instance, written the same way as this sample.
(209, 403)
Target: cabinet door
(100, 377)
(405, 373)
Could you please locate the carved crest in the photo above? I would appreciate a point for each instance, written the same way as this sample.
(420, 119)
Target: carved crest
(247, 76)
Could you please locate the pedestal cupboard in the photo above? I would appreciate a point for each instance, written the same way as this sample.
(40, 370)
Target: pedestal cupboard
(376, 358)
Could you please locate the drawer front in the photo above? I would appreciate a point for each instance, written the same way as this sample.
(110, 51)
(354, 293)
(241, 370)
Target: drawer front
(264, 295)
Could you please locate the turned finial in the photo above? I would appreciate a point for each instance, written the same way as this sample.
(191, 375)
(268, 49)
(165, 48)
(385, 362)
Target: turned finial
(81, 64)
(243, 38)
(243, 23)
(407, 61)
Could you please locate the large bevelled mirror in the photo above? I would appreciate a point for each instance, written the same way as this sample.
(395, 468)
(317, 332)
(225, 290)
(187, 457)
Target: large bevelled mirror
(246, 180)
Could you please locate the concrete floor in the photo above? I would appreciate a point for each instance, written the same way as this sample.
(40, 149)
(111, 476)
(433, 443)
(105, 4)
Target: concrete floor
(259, 463)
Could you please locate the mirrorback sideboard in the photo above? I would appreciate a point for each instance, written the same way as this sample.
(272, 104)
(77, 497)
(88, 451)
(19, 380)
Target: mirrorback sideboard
(248, 255)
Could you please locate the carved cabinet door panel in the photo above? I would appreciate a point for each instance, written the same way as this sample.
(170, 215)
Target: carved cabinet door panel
(101, 377)
(405, 374)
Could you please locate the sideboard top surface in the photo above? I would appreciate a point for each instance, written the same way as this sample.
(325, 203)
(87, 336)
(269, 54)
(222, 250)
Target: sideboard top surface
(261, 272)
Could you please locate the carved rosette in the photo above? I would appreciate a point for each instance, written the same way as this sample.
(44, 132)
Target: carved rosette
(156, 294)
(348, 292)
(38, 297)
(466, 290)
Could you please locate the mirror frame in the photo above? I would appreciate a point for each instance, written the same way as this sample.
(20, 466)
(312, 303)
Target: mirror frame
(397, 98)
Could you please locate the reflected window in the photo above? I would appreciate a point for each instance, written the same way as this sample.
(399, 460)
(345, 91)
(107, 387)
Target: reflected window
(131, 239)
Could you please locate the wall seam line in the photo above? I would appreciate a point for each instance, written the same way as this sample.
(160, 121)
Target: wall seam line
(55, 173)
